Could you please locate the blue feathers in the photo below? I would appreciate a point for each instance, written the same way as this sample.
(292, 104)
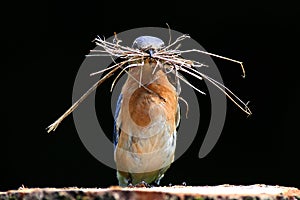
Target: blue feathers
(116, 129)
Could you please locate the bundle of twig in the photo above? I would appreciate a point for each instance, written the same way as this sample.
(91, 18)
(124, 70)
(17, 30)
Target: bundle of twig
(135, 57)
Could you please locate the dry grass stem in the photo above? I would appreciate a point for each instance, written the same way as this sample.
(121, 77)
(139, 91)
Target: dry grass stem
(163, 57)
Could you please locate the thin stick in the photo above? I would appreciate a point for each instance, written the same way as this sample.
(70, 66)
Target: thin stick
(157, 63)
(53, 126)
(218, 56)
(141, 75)
(178, 86)
(188, 72)
(165, 73)
(129, 66)
(113, 83)
(163, 56)
(103, 70)
(187, 82)
(113, 66)
(187, 106)
(143, 86)
(170, 35)
(180, 38)
(94, 55)
(223, 88)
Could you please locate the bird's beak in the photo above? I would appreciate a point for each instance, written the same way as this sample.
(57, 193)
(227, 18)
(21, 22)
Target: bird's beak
(151, 52)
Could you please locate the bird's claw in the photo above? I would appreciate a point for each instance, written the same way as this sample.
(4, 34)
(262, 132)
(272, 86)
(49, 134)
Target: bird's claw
(142, 184)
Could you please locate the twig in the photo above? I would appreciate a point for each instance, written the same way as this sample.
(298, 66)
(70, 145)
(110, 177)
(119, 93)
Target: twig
(53, 126)
(218, 56)
(163, 56)
(187, 106)
(170, 35)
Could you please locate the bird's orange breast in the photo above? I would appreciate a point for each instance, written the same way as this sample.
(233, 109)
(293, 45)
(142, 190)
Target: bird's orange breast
(141, 101)
(147, 123)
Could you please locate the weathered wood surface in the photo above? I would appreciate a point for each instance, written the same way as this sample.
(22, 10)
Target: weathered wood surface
(220, 192)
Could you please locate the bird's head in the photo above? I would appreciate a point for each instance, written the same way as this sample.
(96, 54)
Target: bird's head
(148, 44)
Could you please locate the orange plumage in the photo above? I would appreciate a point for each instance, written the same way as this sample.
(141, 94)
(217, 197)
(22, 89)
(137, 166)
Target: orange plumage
(146, 124)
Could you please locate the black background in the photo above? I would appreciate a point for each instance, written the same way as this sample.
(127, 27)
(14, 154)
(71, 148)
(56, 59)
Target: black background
(45, 44)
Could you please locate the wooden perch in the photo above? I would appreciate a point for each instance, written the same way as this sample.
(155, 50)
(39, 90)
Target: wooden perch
(220, 192)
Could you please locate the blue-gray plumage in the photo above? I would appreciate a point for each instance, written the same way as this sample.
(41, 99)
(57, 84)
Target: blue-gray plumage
(148, 42)
(116, 129)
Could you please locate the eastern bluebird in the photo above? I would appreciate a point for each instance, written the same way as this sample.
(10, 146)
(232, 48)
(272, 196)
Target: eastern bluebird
(147, 115)
(147, 111)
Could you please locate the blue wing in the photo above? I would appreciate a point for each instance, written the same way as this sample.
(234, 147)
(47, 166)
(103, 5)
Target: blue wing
(116, 128)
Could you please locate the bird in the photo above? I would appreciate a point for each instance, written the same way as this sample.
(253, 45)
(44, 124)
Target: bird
(147, 116)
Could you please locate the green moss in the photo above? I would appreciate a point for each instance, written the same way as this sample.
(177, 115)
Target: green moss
(199, 198)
